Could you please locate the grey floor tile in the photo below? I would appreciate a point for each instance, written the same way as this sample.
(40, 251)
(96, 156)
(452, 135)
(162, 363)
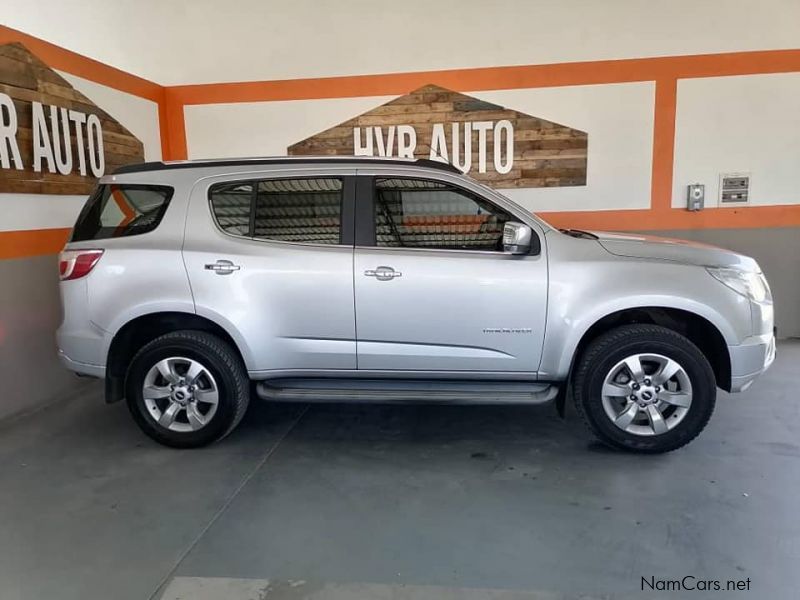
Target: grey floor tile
(399, 502)
(90, 508)
(513, 498)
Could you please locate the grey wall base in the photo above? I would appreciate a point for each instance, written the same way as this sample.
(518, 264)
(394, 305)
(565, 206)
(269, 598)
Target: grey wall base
(30, 312)
(777, 250)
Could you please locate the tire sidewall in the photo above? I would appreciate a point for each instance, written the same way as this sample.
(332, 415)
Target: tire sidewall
(691, 360)
(159, 350)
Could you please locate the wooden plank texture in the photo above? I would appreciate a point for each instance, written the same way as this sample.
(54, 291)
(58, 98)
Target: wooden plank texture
(26, 79)
(546, 154)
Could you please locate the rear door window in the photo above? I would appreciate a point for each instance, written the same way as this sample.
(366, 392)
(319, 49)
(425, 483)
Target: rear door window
(305, 209)
(119, 210)
(299, 210)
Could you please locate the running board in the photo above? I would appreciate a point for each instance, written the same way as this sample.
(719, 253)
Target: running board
(403, 391)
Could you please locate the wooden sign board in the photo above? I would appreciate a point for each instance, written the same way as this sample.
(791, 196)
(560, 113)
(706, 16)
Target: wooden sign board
(53, 139)
(499, 146)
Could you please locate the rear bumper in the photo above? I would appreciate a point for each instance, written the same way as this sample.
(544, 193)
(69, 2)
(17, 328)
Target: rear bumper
(80, 342)
(750, 359)
(81, 368)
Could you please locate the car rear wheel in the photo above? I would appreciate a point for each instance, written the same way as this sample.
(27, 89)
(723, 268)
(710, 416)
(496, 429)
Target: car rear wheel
(187, 389)
(644, 388)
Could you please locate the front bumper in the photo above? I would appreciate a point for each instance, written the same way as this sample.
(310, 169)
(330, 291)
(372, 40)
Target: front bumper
(750, 359)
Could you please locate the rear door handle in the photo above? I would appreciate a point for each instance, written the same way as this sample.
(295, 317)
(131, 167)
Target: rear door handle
(222, 267)
(383, 273)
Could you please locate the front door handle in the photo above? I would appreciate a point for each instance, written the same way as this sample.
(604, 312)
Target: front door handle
(222, 267)
(383, 273)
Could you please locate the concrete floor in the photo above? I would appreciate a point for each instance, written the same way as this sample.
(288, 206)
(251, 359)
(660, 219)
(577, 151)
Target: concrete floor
(401, 502)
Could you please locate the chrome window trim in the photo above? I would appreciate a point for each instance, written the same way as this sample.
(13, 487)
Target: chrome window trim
(448, 250)
(280, 242)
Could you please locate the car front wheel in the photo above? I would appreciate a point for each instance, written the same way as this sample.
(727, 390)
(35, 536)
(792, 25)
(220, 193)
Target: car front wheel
(644, 388)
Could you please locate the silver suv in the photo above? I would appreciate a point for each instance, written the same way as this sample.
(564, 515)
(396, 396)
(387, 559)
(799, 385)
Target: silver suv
(191, 286)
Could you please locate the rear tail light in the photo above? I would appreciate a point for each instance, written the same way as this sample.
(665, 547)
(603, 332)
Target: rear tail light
(74, 264)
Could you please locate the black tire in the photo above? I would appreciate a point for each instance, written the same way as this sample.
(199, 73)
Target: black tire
(221, 361)
(607, 350)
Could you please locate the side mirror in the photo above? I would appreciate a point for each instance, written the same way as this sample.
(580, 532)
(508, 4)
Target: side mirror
(516, 238)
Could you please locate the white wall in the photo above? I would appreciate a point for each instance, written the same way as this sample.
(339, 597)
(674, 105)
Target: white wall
(138, 115)
(265, 128)
(195, 41)
(739, 124)
(20, 212)
(618, 119)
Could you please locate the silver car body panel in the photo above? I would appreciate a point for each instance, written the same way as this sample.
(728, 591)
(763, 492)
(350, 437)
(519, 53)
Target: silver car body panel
(292, 304)
(680, 251)
(136, 276)
(307, 310)
(588, 283)
(455, 311)
(451, 310)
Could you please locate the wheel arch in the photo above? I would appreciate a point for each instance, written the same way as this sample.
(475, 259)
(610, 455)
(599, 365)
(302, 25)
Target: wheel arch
(144, 328)
(700, 330)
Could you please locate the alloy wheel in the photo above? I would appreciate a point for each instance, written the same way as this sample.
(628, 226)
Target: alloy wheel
(647, 394)
(180, 394)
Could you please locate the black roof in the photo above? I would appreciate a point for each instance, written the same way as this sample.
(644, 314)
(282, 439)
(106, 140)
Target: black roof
(241, 162)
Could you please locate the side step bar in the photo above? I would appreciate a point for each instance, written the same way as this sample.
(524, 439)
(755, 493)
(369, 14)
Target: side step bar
(405, 391)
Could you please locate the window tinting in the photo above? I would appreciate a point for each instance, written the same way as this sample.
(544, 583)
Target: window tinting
(299, 210)
(231, 205)
(416, 213)
(290, 210)
(121, 210)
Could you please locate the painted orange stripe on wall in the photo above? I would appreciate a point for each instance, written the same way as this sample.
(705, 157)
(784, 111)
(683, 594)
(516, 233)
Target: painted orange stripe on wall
(495, 78)
(175, 127)
(88, 68)
(82, 66)
(663, 144)
(663, 70)
(752, 217)
(36, 242)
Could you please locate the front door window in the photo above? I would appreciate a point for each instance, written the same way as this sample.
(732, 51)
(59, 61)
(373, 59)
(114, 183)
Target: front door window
(418, 213)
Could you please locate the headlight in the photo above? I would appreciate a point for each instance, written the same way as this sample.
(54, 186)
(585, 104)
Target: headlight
(749, 284)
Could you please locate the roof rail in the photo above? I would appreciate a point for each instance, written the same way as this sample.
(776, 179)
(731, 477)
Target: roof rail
(278, 160)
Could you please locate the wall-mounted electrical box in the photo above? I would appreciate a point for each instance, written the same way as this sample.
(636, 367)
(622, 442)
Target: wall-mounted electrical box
(695, 196)
(734, 188)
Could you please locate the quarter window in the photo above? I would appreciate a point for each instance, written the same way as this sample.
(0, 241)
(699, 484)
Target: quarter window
(305, 210)
(118, 210)
(418, 213)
